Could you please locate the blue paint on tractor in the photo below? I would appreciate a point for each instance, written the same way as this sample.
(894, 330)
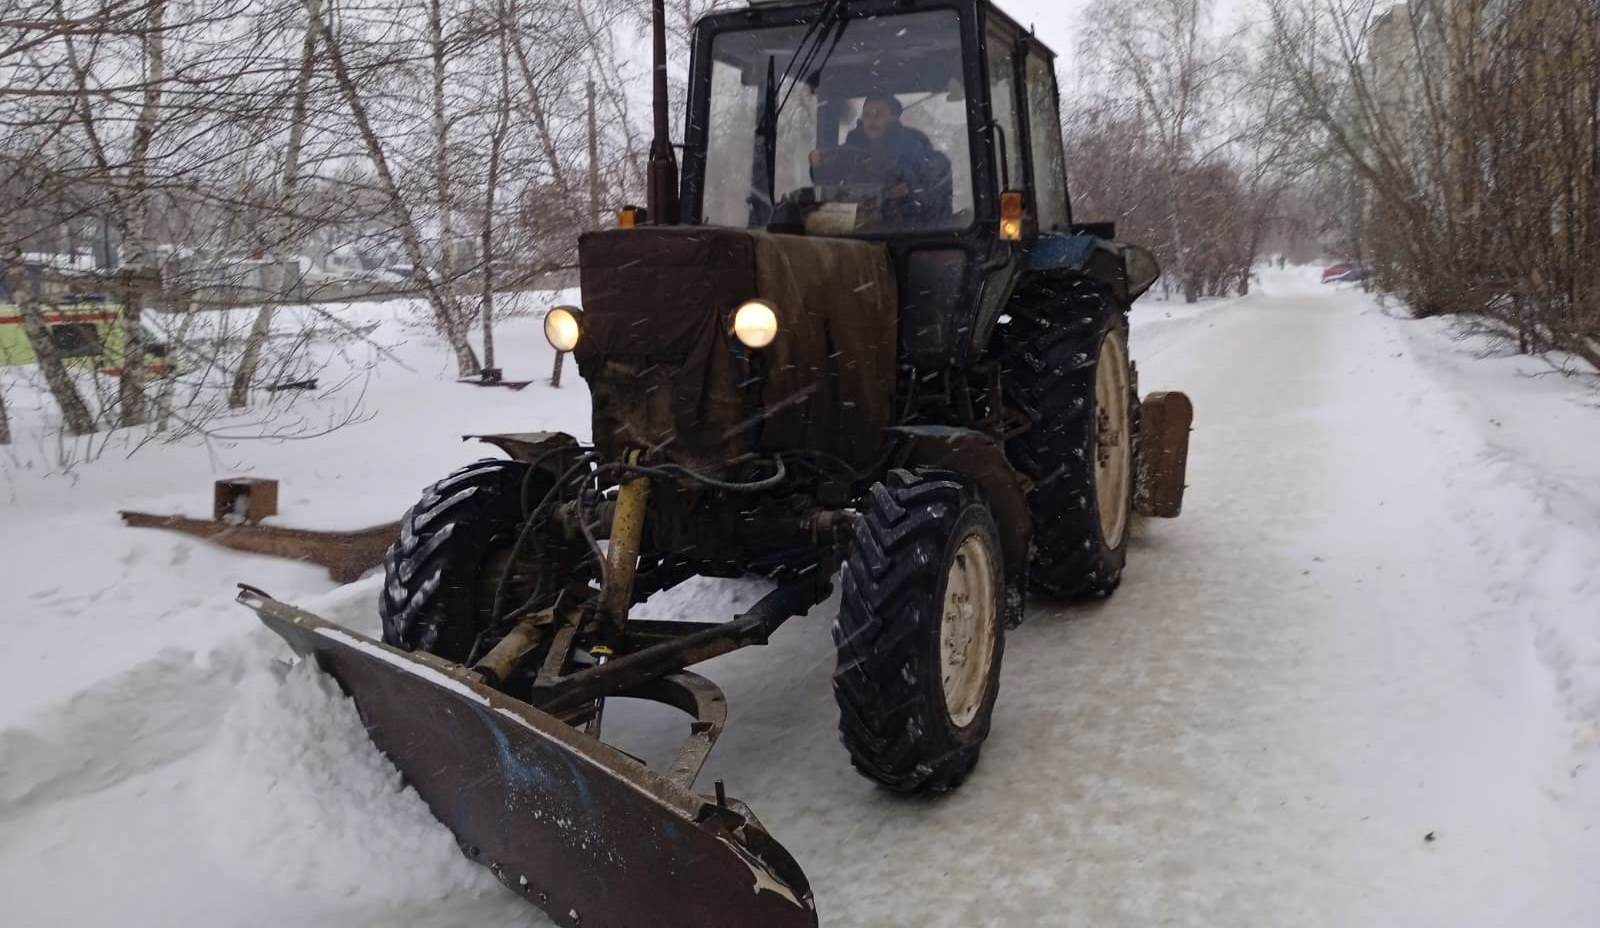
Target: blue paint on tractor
(1054, 251)
(529, 776)
(518, 772)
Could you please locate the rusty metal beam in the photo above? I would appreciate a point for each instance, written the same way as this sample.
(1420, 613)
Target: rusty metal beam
(346, 555)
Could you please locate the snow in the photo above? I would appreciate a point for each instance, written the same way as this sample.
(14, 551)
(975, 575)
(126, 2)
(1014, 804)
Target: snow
(443, 681)
(1374, 623)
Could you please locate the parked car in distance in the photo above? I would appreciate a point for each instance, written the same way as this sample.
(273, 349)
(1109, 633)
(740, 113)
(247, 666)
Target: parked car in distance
(1345, 272)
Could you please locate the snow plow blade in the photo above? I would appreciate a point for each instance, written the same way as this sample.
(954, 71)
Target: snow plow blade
(585, 832)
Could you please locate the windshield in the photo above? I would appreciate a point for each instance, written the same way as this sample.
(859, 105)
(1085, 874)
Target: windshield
(871, 137)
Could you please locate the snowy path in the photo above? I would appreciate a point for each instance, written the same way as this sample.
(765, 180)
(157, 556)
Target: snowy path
(1366, 628)
(1303, 676)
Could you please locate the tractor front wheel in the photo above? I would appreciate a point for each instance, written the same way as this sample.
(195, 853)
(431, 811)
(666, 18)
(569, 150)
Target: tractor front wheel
(918, 636)
(442, 574)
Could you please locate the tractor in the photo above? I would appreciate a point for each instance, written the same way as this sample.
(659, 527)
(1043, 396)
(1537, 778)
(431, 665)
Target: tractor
(857, 339)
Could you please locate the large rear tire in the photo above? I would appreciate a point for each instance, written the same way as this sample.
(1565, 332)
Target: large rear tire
(441, 574)
(1071, 375)
(919, 636)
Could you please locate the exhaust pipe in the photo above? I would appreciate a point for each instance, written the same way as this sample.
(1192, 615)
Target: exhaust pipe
(662, 177)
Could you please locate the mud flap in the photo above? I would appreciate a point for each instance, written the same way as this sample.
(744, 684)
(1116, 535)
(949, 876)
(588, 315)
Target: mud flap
(1165, 422)
(586, 833)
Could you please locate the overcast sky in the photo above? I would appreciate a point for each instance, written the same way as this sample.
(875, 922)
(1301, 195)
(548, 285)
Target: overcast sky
(1059, 23)
(1056, 21)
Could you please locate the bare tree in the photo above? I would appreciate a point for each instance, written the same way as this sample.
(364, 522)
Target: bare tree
(244, 376)
(1271, 151)
(497, 141)
(446, 315)
(1161, 61)
(1470, 127)
(127, 185)
(216, 149)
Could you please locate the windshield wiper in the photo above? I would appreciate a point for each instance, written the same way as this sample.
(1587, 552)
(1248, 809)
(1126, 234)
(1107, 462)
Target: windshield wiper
(777, 90)
(811, 45)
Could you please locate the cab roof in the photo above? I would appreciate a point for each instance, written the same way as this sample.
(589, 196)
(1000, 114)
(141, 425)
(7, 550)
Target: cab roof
(991, 11)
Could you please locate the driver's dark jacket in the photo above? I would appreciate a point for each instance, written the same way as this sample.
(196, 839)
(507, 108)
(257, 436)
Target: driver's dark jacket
(904, 156)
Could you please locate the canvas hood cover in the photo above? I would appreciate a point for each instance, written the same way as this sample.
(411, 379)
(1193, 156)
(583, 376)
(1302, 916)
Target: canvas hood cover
(665, 373)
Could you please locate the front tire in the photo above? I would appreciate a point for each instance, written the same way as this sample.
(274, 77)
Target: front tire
(918, 635)
(441, 574)
(1072, 377)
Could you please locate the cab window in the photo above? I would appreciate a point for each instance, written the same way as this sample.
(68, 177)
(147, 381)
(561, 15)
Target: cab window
(1044, 129)
(872, 138)
(1003, 104)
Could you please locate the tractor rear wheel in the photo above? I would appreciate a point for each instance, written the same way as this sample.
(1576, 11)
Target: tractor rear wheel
(919, 636)
(1073, 378)
(441, 574)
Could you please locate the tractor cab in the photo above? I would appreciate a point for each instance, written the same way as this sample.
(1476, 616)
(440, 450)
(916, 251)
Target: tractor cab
(929, 125)
(876, 119)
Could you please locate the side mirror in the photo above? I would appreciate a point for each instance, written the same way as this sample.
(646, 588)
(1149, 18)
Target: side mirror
(1142, 268)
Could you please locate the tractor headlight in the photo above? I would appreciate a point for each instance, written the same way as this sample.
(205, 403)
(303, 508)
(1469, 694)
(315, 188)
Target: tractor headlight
(561, 327)
(755, 324)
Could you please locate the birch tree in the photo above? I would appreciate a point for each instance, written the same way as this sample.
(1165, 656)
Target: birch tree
(447, 317)
(76, 416)
(261, 328)
(127, 186)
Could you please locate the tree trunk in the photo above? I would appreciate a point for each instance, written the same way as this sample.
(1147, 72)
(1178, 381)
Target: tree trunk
(239, 393)
(441, 146)
(5, 418)
(541, 123)
(74, 412)
(250, 359)
(130, 392)
(602, 51)
(170, 383)
(496, 143)
(445, 317)
(130, 384)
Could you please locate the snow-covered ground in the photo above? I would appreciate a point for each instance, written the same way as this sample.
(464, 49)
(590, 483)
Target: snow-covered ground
(1358, 683)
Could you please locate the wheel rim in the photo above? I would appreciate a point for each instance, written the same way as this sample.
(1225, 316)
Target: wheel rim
(967, 630)
(1113, 440)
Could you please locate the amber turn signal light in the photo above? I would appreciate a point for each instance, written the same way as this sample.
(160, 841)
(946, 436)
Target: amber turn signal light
(1011, 216)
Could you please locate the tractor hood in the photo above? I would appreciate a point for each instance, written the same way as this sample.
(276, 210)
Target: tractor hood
(665, 372)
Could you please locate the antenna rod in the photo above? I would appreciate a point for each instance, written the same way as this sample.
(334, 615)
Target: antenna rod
(662, 180)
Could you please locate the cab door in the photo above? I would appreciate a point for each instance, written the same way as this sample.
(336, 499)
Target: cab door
(1003, 51)
(1026, 128)
(1047, 176)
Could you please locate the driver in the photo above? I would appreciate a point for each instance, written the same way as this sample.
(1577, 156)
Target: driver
(883, 152)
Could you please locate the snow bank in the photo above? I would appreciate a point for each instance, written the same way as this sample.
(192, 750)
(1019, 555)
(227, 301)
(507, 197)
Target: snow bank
(299, 791)
(157, 712)
(231, 789)
(1530, 495)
